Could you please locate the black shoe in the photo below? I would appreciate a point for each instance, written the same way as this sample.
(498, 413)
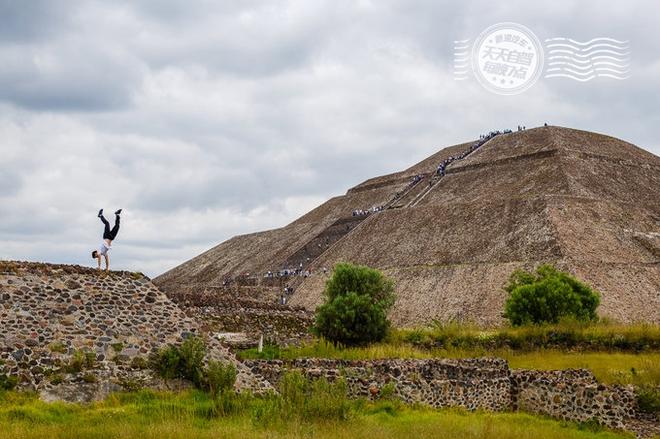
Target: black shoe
(118, 212)
(100, 213)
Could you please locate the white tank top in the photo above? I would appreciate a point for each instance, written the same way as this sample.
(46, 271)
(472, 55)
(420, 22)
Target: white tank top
(103, 249)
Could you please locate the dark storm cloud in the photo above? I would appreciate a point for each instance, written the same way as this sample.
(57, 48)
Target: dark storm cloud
(206, 119)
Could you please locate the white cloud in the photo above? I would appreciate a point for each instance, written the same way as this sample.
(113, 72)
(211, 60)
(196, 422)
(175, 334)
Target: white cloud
(207, 119)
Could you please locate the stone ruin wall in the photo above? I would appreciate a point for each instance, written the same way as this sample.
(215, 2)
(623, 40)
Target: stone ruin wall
(281, 324)
(485, 383)
(51, 313)
(573, 395)
(470, 383)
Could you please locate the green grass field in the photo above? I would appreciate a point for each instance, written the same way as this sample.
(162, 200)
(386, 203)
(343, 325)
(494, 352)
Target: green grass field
(192, 415)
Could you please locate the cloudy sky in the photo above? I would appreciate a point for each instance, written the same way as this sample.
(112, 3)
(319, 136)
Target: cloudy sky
(206, 119)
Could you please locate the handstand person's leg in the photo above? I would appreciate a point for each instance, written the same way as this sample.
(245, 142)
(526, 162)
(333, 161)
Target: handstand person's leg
(115, 229)
(106, 229)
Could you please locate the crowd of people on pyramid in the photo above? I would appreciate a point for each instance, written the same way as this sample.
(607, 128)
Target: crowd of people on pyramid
(288, 272)
(360, 212)
(364, 212)
(483, 138)
(416, 179)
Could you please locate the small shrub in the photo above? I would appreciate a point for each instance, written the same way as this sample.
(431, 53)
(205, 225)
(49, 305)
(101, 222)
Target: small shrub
(131, 385)
(139, 363)
(90, 360)
(388, 391)
(418, 338)
(220, 377)
(58, 347)
(355, 310)
(89, 378)
(591, 425)
(8, 382)
(56, 379)
(186, 361)
(548, 295)
(117, 347)
(8, 267)
(165, 362)
(80, 361)
(192, 353)
(648, 399)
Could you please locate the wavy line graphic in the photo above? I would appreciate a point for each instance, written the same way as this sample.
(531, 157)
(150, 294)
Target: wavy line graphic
(590, 65)
(586, 43)
(586, 60)
(589, 78)
(592, 46)
(596, 60)
(589, 72)
(461, 59)
(589, 55)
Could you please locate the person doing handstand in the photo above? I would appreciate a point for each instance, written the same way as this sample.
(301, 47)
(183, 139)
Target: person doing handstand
(108, 236)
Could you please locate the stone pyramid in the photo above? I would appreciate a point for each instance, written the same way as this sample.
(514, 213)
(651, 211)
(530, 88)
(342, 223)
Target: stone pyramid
(587, 202)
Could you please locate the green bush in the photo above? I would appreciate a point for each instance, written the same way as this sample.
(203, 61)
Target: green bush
(648, 399)
(56, 379)
(388, 391)
(139, 363)
(89, 378)
(79, 361)
(355, 310)
(58, 347)
(185, 361)
(192, 353)
(220, 377)
(547, 296)
(131, 385)
(165, 362)
(7, 382)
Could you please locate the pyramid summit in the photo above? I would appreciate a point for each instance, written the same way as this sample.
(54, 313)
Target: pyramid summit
(450, 235)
